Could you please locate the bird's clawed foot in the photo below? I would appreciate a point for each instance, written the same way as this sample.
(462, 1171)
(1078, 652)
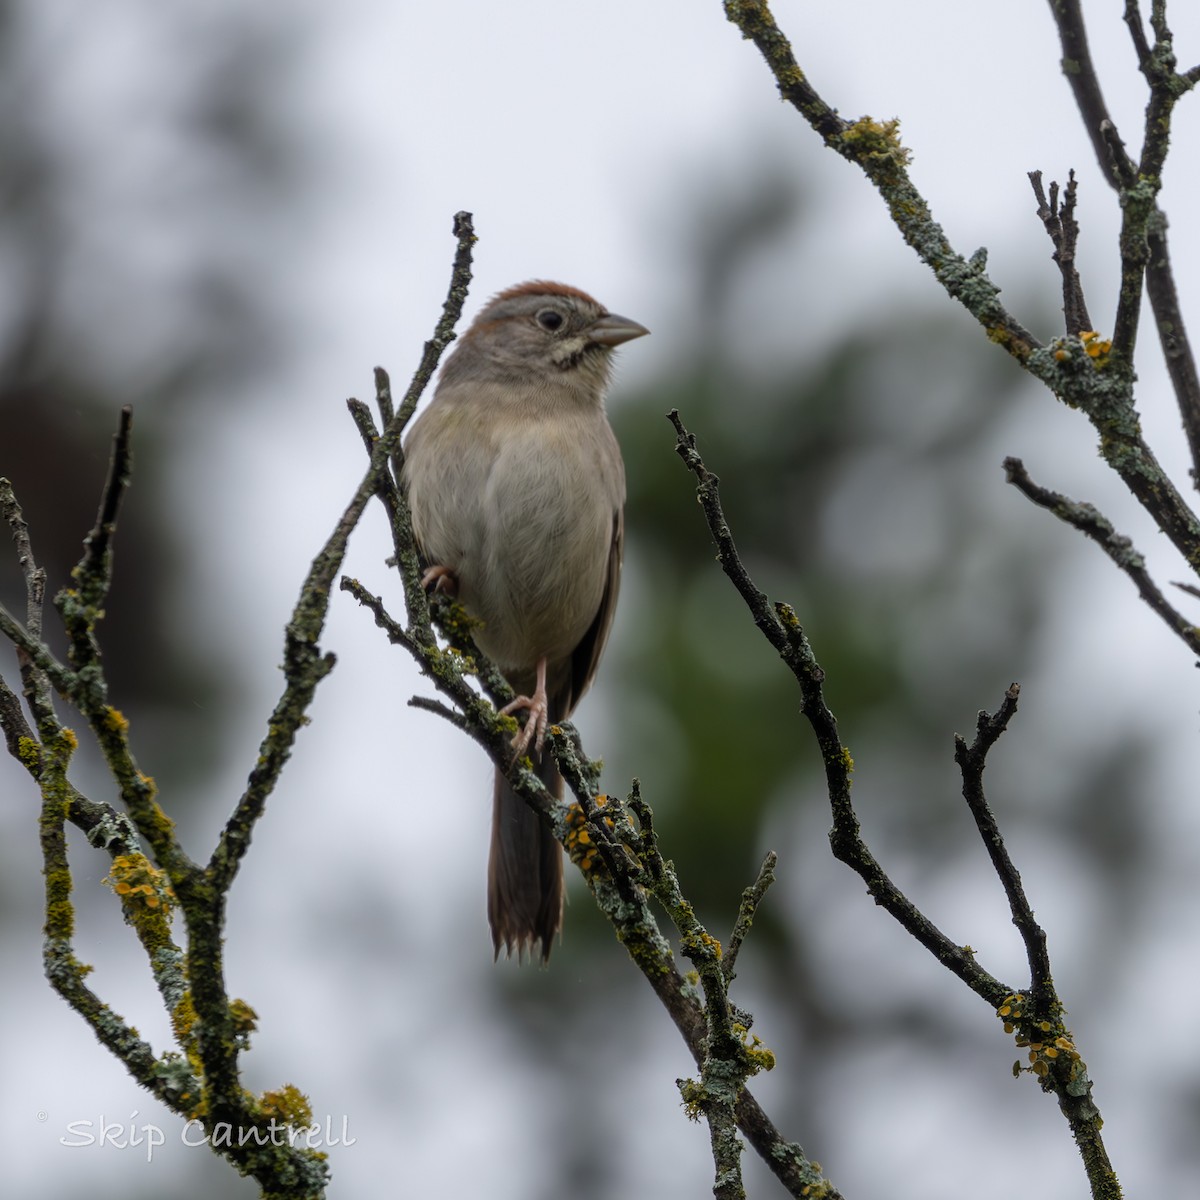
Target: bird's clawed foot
(441, 579)
(538, 708)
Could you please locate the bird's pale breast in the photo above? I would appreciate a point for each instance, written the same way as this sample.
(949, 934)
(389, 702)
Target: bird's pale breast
(530, 527)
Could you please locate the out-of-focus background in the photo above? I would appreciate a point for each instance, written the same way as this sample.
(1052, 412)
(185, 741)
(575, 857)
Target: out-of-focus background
(226, 215)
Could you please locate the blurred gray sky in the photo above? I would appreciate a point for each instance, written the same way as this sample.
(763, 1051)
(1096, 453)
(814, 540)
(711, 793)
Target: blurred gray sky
(578, 137)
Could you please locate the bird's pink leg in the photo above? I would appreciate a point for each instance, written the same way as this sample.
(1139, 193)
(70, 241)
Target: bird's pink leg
(538, 708)
(442, 579)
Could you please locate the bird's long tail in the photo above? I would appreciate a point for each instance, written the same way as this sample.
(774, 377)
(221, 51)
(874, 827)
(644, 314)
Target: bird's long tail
(525, 872)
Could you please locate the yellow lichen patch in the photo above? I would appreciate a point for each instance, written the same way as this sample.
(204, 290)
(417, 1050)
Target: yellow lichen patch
(1095, 346)
(581, 847)
(509, 725)
(694, 1096)
(288, 1105)
(1042, 1053)
(245, 1019)
(139, 884)
(30, 753)
(789, 76)
(787, 614)
(758, 1056)
(871, 139)
(183, 1019)
(602, 801)
(115, 720)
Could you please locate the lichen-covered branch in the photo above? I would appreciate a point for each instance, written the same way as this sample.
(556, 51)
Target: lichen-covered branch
(1099, 385)
(202, 1079)
(875, 147)
(194, 1080)
(1157, 64)
(752, 897)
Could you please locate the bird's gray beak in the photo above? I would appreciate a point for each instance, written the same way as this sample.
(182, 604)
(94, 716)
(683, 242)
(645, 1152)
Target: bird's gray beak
(612, 330)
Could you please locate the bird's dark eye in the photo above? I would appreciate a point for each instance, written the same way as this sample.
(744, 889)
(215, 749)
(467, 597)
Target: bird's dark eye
(550, 319)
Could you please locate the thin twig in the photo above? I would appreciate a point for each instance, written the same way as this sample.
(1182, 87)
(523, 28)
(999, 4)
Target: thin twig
(430, 705)
(727, 1061)
(1137, 31)
(383, 388)
(63, 969)
(36, 685)
(443, 334)
(1063, 230)
(388, 487)
(1093, 524)
(82, 608)
(102, 824)
(972, 760)
(35, 576)
(95, 568)
(62, 678)
(304, 667)
(607, 822)
(751, 898)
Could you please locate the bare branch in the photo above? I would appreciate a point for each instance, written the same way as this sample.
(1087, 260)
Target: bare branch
(780, 626)
(94, 571)
(972, 760)
(1137, 31)
(1093, 524)
(1063, 229)
(1080, 72)
(1058, 1070)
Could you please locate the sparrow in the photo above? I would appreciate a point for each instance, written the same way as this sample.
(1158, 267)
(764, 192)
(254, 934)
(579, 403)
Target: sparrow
(517, 489)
